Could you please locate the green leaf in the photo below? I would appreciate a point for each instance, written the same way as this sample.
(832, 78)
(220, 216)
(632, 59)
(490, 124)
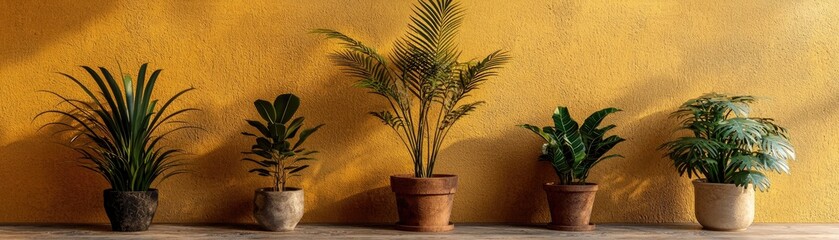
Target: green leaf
(744, 178)
(777, 146)
(266, 110)
(261, 172)
(264, 143)
(293, 127)
(536, 130)
(588, 130)
(278, 131)
(741, 130)
(262, 128)
(298, 169)
(285, 106)
(388, 119)
(260, 163)
(304, 135)
(575, 148)
(563, 123)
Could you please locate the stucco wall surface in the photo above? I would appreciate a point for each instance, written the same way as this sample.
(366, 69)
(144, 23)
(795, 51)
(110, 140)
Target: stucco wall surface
(645, 57)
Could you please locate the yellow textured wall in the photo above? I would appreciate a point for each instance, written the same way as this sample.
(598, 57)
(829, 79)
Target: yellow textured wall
(645, 57)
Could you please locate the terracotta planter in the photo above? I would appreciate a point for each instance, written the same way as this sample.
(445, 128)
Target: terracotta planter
(571, 206)
(278, 211)
(424, 204)
(723, 207)
(130, 211)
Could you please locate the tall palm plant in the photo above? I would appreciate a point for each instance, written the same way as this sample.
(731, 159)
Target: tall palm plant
(119, 131)
(423, 80)
(727, 145)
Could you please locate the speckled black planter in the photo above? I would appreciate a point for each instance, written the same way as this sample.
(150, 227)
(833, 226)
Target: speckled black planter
(130, 211)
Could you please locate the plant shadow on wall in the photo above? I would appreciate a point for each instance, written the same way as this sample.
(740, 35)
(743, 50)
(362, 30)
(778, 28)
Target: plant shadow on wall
(341, 110)
(624, 186)
(228, 195)
(528, 203)
(346, 107)
(28, 27)
(646, 127)
(65, 192)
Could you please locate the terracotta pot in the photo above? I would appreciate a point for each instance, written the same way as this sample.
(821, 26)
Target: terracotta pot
(424, 204)
(571, 206)
(130, 211)
(278, 211)
(723, 207)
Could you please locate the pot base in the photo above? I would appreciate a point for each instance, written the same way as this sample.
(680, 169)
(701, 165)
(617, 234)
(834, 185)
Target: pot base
(445, 228)
(723, 207)
(723, 230)
(589, 227)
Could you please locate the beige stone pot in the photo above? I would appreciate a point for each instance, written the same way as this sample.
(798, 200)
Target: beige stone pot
(278, 211)
(723, 207)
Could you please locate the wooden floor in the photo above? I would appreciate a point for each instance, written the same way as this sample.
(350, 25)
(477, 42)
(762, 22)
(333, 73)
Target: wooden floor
(608, 231)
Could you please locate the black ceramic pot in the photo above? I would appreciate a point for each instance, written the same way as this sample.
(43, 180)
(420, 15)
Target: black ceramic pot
(130, 211)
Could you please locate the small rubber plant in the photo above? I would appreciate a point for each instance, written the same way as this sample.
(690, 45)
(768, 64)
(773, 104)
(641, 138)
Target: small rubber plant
(572, 149)
(280, 159)
(726, 145)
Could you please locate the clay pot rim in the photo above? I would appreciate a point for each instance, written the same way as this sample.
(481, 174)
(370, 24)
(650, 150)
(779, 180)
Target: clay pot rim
(271, 190)
(703, 181)
(111, 190)
(438, 184)
(587, 187)
(434, 176)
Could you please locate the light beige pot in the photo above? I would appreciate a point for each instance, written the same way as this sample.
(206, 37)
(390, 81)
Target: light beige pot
(278, 211)
(723, 207)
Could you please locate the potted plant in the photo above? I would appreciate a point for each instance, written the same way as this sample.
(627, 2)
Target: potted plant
(730, 151)
(573, 150)
(279, 208)
(118, 132)
(424, 84)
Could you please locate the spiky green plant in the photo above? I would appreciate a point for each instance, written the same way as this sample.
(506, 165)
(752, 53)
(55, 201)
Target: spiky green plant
(727, 145)
(572, 149)
(119, 131)
(281, 159)
(423, 80)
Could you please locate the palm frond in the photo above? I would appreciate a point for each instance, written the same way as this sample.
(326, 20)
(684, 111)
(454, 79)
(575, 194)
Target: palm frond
(729, 146)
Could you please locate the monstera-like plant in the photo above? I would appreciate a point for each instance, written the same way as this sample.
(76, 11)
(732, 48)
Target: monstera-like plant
(731, 151)
(426, 86)
(118, 128)
(574, 149)
(279, 208)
